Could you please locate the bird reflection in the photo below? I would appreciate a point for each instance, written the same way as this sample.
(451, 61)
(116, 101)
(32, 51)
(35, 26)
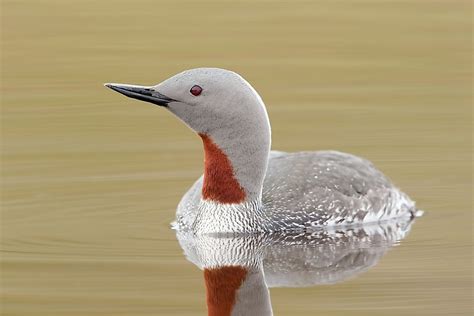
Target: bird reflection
(240, 269)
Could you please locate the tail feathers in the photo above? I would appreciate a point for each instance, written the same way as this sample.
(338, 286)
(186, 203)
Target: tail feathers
(417, 213)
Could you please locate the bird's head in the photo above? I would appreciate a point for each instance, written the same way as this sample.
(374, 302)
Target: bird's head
(208, 100)
(230, 117)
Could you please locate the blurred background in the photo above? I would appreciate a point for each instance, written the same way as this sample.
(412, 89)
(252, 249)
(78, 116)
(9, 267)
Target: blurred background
(91, 179)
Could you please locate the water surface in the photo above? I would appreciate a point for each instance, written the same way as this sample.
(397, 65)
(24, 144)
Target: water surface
(90, 180)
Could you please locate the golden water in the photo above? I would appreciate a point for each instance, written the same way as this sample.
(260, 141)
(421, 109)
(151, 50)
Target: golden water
(91, 179)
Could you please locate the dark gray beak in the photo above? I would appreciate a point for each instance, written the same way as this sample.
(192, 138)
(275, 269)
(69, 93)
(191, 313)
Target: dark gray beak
(140, 93)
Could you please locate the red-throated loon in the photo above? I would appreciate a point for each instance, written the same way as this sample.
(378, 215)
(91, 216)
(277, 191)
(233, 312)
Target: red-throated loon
(248, 188)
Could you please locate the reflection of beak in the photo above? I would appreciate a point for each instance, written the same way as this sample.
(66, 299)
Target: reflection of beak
(140, 93)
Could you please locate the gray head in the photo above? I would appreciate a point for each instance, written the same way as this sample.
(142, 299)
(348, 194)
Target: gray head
(228, 114)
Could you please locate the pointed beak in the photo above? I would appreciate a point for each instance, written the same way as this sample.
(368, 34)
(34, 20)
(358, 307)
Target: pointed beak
(146, 94)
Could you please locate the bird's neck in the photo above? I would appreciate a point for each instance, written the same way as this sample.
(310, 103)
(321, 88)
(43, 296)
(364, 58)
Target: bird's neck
(234, 167)
(220, 182)
(232, 187)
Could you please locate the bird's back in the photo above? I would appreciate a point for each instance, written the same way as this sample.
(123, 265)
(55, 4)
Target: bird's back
(327, 188)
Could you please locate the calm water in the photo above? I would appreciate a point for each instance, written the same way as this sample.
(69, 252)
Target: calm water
(91, 180)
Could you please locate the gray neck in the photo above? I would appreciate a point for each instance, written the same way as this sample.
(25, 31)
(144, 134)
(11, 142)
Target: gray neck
(247, 145)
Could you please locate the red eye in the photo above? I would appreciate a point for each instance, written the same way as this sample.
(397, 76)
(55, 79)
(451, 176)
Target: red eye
(196, 90)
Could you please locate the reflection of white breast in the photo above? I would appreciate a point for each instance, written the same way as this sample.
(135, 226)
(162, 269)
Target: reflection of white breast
(321, 257)
(247, 265)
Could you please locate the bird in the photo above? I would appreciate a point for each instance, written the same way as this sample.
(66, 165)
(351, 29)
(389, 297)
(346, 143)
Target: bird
(248, 188)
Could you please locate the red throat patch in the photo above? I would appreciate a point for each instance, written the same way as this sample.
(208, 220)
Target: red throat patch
(220, 184)
(221, 288)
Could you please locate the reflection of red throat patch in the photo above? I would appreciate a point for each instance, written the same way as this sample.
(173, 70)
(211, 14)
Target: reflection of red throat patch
(220, 184)
(221, 287)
